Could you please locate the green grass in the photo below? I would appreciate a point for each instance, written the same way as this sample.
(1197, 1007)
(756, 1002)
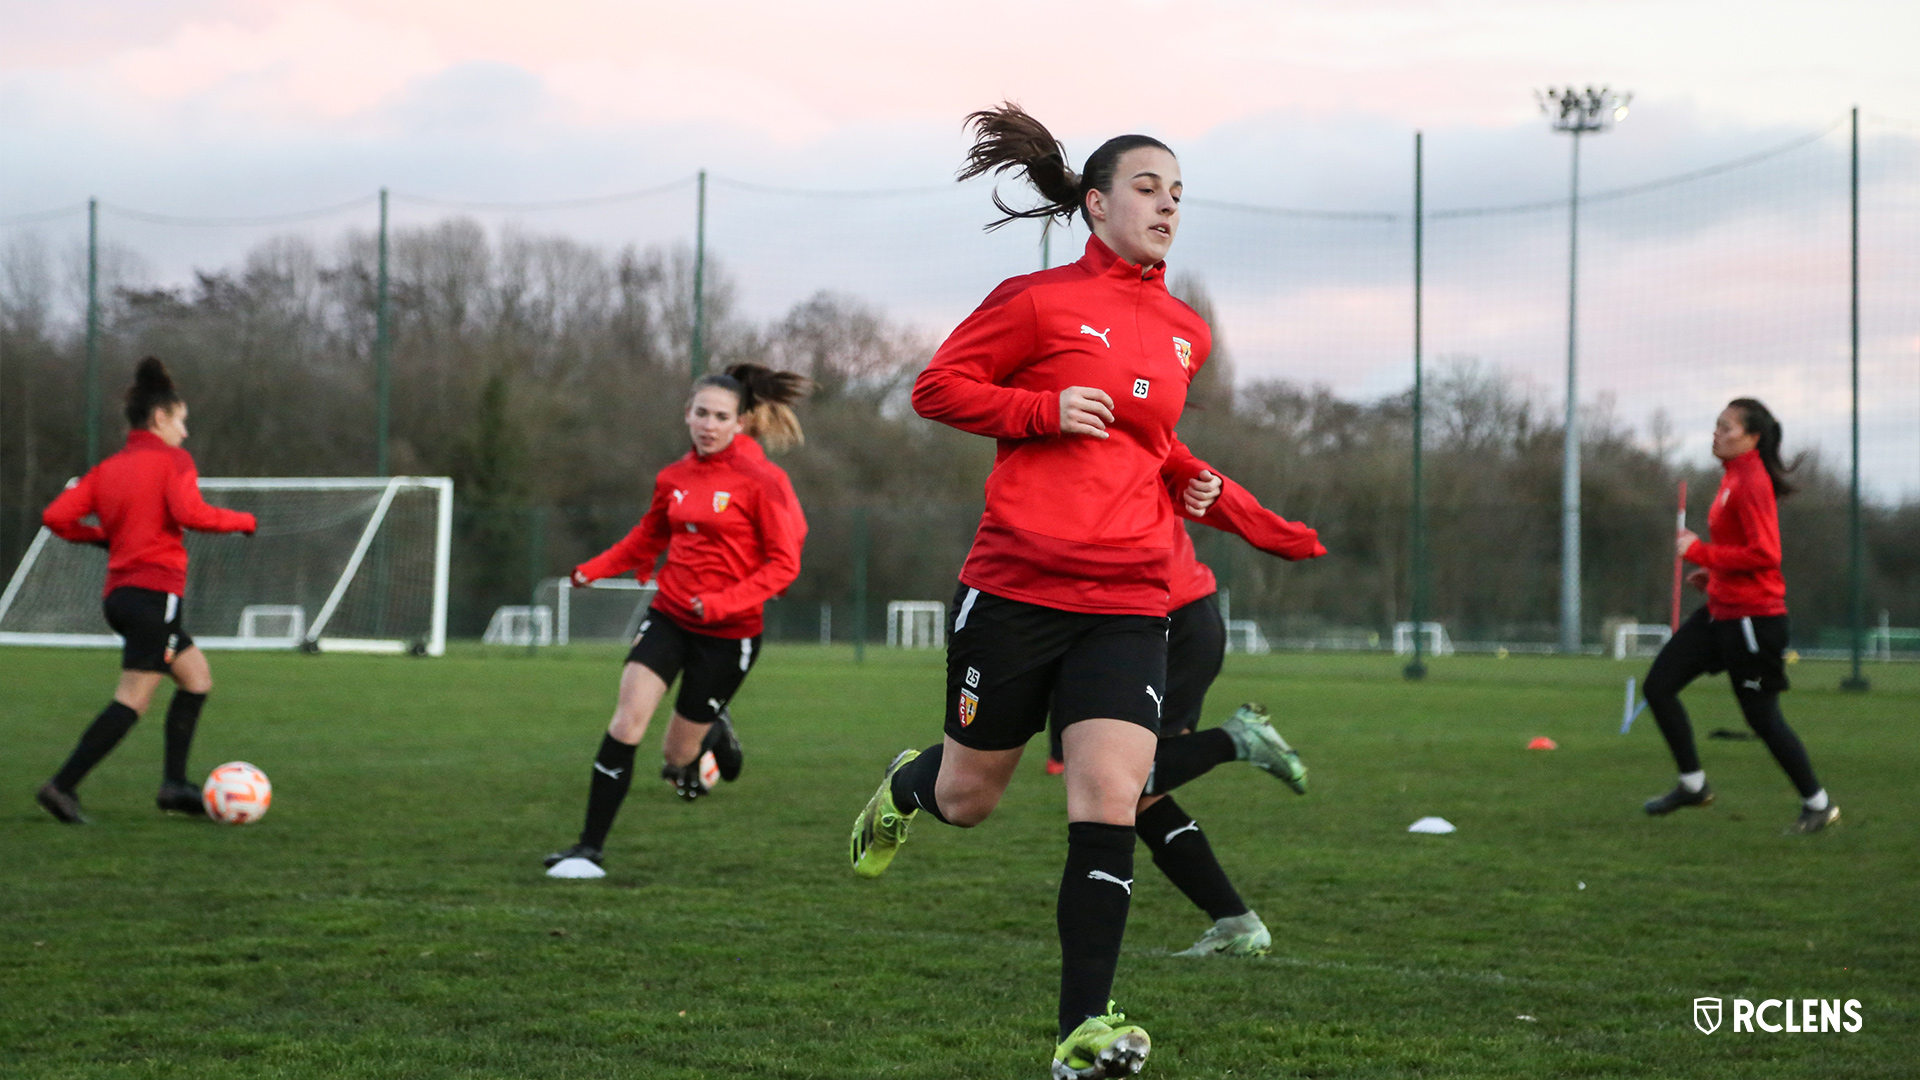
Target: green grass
(388, 917)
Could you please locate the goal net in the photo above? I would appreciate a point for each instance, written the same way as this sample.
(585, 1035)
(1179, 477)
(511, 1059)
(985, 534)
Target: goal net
(338, 564)
(607, 610)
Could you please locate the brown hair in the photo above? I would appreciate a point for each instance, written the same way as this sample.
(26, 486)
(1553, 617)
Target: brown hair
(1008, 137)
(152, 389)
(1757, 419)
(766, 401)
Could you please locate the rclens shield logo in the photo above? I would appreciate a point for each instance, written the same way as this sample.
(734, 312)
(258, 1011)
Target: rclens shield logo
(969, 707)
(1183, 352)
(1800, 1016)
(720, 500)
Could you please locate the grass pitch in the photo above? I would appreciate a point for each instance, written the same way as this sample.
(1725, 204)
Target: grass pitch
(388, 918)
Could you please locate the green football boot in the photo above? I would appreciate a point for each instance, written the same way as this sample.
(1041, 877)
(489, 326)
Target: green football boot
(1238, 935)
(1256, 743)
(881, 828)
(1102, 1046)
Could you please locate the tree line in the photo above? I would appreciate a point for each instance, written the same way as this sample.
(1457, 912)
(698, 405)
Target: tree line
(548, 377)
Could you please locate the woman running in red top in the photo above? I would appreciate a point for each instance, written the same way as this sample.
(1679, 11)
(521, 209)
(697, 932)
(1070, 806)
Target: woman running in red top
(731, 529)
(145, 498)
(1743, 628)
(1080, 373)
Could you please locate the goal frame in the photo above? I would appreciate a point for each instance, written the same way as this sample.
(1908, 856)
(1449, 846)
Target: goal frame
(314, 638)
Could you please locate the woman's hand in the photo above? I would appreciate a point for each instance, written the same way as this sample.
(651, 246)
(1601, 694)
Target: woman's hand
(1685, 540)
(1201, 491)
(1697, 578)
(699, 609)
(1085, 410)
(580, 580)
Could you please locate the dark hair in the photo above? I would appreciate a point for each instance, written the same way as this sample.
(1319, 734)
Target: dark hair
(1006, 137)
(152, 389)
(766, 401)
(1757, 419)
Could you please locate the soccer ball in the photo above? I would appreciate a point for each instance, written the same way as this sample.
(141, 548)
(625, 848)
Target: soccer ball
(237, 794)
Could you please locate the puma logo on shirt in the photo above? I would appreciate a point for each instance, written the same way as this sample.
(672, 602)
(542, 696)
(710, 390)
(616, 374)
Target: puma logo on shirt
(1101, 334)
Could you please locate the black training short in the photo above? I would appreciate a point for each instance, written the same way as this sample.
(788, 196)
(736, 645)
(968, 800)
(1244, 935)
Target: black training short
(1752, 651)
(714, 666)
(1196, 647)
(149, 620)
(1011, 664)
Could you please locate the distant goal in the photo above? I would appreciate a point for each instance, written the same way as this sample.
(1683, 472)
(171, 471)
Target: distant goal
(339, 564)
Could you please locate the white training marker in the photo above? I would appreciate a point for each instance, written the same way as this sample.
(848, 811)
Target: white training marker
(1438, 826)
(576, 868)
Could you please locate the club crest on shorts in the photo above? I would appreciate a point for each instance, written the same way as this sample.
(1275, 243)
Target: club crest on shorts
(1183, 352)
(1706, 1014)
(720, 499)
(969, 707)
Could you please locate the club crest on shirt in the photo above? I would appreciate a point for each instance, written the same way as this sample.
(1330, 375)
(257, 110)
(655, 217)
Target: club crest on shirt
(1183, 352)
(720, 499)
(969, 707)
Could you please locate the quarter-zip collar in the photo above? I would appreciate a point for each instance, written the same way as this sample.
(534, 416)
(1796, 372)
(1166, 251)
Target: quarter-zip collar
(1100, 261)
(143, 437)
(1743, 461)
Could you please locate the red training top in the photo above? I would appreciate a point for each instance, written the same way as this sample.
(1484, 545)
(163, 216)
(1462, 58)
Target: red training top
(1743, 562)
(1236, 511)
(146, 497)
(732, 530)
(1077, 523)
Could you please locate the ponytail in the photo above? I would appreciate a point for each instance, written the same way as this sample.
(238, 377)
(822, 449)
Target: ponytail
(1757, 419)
(152, 389)
(766, 401)
(1007, 137)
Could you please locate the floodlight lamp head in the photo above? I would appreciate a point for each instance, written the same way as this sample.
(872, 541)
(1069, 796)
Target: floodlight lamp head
(1581, 112)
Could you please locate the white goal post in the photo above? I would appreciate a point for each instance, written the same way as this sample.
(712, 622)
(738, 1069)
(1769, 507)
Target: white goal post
(916, 624)
(338, 564)
(1438, 643)
(1627, 638)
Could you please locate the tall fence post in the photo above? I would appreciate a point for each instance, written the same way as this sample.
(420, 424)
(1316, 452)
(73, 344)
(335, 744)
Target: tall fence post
(860, 584)
(1856, 549)
(1570, 451)
(93, 331)
(698, 351)
(382, 349)
(1417, 527)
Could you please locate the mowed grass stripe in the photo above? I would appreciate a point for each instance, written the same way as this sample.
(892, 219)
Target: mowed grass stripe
(388, 917)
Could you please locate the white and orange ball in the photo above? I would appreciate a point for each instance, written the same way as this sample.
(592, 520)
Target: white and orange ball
(237, 794)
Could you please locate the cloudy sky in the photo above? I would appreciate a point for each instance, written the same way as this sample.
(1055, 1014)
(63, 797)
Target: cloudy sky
(221, 108)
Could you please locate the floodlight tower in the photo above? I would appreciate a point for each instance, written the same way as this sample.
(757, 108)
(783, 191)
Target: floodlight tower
(1576, 112)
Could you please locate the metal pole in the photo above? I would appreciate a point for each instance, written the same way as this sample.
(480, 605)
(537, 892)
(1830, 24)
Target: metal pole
(382, 349)
(860, 584)
(93, 331)
(699, 349)
(1417, 527)
(1046, 244)
(1855, 547)
(1570, 454)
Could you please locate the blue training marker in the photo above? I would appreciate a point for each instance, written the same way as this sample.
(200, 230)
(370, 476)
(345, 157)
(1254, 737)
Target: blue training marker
(1630, 712)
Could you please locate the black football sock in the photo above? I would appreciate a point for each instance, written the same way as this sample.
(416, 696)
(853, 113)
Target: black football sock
(1663, 700)
(183, 715)
(612, 776)
(1182, 853)
(96, 743)
(913, 783)
(1095, 890)
(1187, 757)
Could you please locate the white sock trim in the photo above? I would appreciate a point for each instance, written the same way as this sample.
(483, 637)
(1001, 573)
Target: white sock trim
(1694, 781)
(1817, 801)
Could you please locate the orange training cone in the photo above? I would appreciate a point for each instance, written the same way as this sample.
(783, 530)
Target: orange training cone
(1543, 743)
